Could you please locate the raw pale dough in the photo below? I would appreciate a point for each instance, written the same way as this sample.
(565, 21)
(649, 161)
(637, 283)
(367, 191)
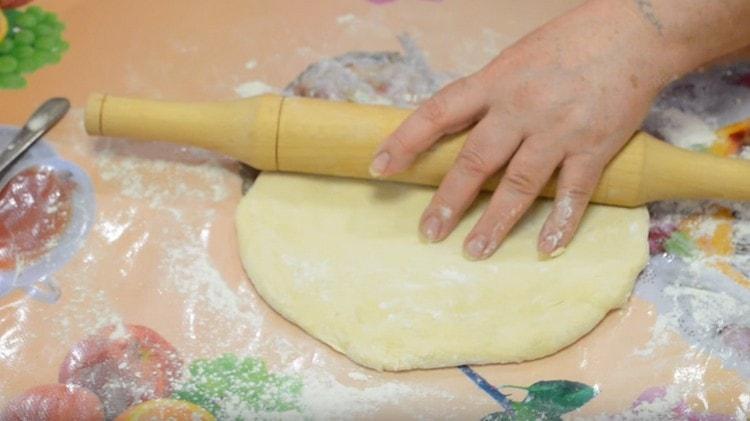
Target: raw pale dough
(342, 259)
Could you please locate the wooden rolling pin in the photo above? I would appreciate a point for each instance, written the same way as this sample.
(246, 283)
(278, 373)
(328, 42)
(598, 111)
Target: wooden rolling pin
(275, 133)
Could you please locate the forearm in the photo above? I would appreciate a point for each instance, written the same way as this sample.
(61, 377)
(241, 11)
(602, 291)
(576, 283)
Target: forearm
(694, 32)
(650, 42)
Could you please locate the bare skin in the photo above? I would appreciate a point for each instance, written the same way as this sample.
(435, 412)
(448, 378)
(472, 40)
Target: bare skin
(566, 97)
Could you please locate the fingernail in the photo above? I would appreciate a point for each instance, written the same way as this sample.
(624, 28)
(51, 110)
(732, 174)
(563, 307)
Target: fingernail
(555, 253)
(475, 248)
(431, 229)
(550, 246)
(489, 250)
(379, 164)
(497, 235)
(550, 242)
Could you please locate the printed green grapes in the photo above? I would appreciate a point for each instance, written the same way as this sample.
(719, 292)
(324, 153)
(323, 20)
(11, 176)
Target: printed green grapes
(34, 40)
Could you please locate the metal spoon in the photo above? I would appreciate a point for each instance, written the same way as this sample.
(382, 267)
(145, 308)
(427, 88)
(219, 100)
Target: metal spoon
(43, 119)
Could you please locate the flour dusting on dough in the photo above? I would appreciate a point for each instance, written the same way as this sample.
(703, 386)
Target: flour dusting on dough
(305, 271)
(452, 275)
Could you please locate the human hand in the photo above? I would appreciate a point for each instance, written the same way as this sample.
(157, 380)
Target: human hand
(568, 97)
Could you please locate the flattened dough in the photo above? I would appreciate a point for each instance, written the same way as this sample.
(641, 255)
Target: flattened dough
(342, 259)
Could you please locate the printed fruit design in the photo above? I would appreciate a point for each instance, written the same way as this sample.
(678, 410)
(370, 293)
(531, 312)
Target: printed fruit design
(33, 40)
(35, 209)
(165, 409)
(10, 4)
(548, 400)
(228, 383)
(731, 139)
(737, 337)
(54, 402)
(671, 407)
(131, 373)
(708, 234)
(123, 365)
(545, 400)
(3, 26)
(658, 235)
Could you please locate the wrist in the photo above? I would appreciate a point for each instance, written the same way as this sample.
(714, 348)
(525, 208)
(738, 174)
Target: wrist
(679, 36)
(643, 47)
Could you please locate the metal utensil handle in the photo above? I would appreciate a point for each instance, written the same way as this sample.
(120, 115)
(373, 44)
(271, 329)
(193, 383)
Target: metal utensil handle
(43, 119)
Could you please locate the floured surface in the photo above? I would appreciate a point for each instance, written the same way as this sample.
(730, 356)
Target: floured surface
(342, 259)
(161, 252)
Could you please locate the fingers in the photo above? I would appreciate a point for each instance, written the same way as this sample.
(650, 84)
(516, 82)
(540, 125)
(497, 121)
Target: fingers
(528, 172)
(578, 179)
(453, 108)
(489, 146)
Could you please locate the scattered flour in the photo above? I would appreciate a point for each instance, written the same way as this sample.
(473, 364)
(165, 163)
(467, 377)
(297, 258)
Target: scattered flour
(361, 377)
(699, 303)
(657, 408)
(661, 336)
(692, 298)
(253, 88)
(688, 111)
(344, 19)
(88, 307)
(190, 273)
(325, 398)
(135, 175)
(371, 25)
(683, 129)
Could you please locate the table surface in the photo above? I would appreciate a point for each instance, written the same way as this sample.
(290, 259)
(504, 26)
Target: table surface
(161, 251)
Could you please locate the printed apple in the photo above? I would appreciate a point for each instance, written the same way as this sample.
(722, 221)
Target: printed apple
(123, 365)
(55, 402)
(11, 4)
